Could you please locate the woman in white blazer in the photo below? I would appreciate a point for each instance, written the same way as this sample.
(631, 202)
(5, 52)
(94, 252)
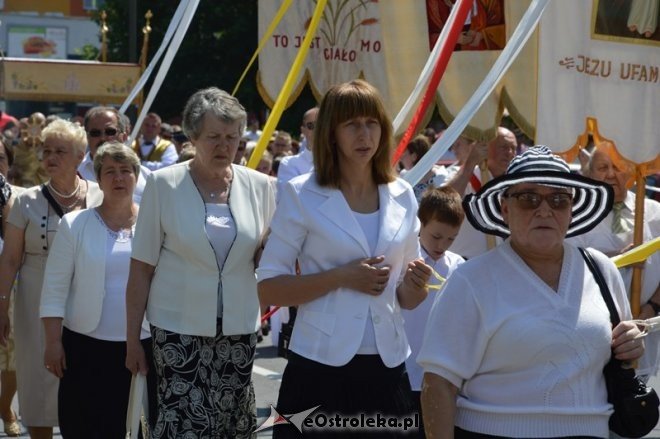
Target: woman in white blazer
(352, 226)
(200, 230)
(83, 303)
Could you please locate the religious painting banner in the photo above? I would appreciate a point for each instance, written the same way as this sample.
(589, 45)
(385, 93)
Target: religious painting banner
(600, 60)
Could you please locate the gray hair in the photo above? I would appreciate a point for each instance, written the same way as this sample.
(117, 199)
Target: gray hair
(95, 111)
(118, 152)
(69, 132)
(220, 103)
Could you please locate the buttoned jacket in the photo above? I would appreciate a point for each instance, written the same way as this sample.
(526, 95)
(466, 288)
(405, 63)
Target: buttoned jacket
(316, 226)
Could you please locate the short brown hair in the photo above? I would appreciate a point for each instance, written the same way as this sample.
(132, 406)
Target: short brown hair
(118, 152)
(420, 145)
(442, 204)
(343, 102)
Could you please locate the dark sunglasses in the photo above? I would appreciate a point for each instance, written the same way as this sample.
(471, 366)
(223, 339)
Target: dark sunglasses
(532, 200)
(98, 133)
(310, 125)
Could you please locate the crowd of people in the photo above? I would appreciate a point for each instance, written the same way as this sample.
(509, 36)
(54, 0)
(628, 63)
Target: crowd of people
(463, 299)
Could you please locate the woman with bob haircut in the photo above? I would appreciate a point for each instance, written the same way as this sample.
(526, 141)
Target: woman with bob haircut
(352, 227)
(31, 227)
(197, 242)
(83, 303)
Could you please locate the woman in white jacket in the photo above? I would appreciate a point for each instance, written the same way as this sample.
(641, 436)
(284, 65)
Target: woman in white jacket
(83, 303)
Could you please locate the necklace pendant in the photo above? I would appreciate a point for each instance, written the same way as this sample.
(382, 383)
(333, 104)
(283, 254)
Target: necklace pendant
(212, 194)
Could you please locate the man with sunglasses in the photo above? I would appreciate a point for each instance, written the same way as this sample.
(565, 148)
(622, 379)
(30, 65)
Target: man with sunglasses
(301, 163)
(105, 124)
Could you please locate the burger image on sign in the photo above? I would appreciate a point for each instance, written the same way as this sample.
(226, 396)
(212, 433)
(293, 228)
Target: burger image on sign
(37, 45)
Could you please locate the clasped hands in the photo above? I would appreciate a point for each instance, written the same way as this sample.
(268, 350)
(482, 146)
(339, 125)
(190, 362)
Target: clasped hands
(370, 277)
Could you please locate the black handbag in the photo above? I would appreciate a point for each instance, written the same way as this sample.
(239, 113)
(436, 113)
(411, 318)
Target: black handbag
(635, 403)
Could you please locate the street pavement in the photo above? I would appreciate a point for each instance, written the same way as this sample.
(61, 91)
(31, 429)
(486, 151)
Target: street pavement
(267, 375)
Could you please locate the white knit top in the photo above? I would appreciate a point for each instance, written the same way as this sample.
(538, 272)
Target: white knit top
(527, 360)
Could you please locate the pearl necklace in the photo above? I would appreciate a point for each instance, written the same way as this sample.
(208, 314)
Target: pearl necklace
(61, 195)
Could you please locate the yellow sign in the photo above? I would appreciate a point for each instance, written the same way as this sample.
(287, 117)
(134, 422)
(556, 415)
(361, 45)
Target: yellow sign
(69, 81)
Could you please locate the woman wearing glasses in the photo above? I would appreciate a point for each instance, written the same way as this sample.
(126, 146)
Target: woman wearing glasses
(516, 343)
(83, 303)
(33, 220)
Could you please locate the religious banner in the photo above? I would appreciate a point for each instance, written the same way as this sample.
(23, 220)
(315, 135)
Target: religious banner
(383, 41)
(600, 60)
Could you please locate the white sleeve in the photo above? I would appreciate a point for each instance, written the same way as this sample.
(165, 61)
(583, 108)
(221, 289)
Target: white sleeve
(149, 234)
(287, 235)
(456, 337)
(58, 275)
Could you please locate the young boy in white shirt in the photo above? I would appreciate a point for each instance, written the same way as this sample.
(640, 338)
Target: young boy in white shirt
(441, 215)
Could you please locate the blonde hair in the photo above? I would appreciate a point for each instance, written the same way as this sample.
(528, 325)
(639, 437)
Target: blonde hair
(69, 132)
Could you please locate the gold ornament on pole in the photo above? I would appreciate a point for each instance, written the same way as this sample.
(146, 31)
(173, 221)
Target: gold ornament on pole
(104, 41)
(146, 30)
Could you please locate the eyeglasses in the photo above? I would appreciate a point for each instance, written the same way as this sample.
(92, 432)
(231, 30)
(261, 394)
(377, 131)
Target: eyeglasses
(532, 200)
(98, 133)
(310, 125)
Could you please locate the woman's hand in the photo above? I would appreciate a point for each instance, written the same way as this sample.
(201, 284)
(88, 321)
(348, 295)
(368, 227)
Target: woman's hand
(136, 360)
(54, 358)
(625, 344)
(365, 276)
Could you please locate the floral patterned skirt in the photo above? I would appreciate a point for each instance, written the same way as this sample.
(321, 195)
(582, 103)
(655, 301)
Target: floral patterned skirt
(204, 385)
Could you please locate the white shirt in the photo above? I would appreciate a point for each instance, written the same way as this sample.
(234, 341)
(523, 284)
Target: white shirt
(527, 360)
(601, 238)
(369, 224)
(415, 319)
(470, 242)
(295, 165)
(86, 171)
(169, 156)
(221, 230)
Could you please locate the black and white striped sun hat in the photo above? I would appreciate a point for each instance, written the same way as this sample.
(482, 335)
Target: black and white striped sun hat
(538, 165)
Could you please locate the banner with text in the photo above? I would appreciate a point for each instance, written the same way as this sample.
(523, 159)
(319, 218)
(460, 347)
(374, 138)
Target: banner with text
(600, 59)
(377, 40)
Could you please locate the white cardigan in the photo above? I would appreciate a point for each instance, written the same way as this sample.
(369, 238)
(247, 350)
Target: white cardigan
(527, 360)
(315, 225)
(171, 236)
(74, 280)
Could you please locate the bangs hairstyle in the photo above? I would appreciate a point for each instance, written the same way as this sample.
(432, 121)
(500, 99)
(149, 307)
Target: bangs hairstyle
(442, 204)
(341, 103)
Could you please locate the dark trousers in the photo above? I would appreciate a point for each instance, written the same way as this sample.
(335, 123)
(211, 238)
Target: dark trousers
(93, 393)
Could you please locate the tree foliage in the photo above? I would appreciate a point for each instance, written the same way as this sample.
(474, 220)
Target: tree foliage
(217, 46)
(216, 49)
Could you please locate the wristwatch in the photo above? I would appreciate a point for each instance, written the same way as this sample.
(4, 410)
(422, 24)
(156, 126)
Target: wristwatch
(655, 306)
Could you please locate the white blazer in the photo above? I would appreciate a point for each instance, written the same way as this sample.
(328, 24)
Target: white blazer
(74, 280)
(171, 236)
(315, 225)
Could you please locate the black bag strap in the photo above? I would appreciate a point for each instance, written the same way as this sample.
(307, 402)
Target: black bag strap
(604, 289)
(56, 207)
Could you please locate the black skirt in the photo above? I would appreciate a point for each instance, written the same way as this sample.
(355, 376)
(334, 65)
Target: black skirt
(363, 398)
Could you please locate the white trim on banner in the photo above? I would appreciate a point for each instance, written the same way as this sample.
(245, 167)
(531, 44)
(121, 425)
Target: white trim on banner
(517, 41)
(426, 73)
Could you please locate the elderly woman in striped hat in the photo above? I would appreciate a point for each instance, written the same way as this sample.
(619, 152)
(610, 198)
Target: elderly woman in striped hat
(516, 343)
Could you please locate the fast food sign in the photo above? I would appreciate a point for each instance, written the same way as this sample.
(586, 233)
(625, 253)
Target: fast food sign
(37, 42)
